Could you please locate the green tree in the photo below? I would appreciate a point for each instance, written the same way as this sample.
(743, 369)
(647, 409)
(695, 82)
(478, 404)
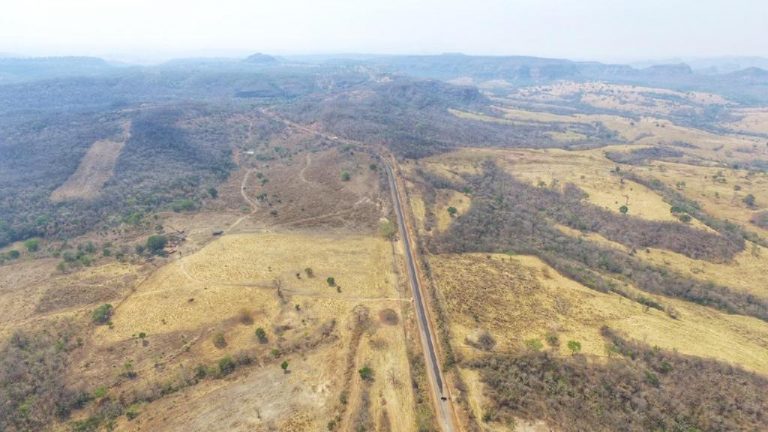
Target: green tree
(452, 211)
(345, 176)
(623, 209)
(101, 314)
(156, 244)
(213, 192)
(226, 366)
(284, 366)
(366, 373)
(261, 335)
(183, 205)
(331, 281)
(32, 245)
(749, 200)
(14, 254)
(219, 341)
(574, 346)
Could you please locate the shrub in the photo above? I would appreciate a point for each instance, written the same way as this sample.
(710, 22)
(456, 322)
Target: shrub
(761, 219)
(244, 316)
(261, 335)
(14, 254)
(452, 211)
(366, 373)
(345, 176)
(623, 209)
(32, 245)
(99, 392)
(213, 192)
(183, 205)
(201, 371)
(331, 281)
(574, 346)
(101, 314)
(226, 366)
(132, 412)
(553, 339)
(534, 344)
(387, 229)
(749, 200)
(156, 244)
(219, 341)
(309, 272)
(284, 366)
(485, 341)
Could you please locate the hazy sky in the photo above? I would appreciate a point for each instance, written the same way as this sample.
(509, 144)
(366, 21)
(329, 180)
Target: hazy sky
(582, 29)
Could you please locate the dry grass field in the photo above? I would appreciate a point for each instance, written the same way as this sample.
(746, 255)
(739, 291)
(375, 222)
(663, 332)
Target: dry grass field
(750, 120)
(242, 282)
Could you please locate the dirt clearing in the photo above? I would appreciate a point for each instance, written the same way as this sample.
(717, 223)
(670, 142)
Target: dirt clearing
(96, 167)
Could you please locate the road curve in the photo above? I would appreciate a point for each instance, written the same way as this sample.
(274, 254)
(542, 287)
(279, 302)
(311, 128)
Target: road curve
(441, 397)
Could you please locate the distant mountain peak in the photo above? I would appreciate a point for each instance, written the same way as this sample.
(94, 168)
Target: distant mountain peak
(260, 58)
(670, 69)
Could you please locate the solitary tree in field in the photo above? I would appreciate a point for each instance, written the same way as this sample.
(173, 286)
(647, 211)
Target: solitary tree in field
(284, 366)
(366, 373)
(623, 209)
(452, 211)
(102, 314)
(574, 346)
(749, 200)
(261, 335)
(331, 281)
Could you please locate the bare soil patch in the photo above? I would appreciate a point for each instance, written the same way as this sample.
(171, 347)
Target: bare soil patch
(96, 167)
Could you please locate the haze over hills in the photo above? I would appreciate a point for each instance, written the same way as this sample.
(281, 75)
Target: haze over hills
(743, 76)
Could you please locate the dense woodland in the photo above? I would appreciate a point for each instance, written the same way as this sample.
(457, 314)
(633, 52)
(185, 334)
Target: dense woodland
(643, 389)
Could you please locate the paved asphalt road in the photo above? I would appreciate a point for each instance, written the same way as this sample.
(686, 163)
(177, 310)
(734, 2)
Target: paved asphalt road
(444, 409)
(435, 375)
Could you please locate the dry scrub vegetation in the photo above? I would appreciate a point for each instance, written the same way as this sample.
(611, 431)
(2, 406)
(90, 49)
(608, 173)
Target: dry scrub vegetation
(674, 272)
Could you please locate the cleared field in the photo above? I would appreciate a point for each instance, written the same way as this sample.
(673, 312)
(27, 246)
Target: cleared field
(96, 167)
